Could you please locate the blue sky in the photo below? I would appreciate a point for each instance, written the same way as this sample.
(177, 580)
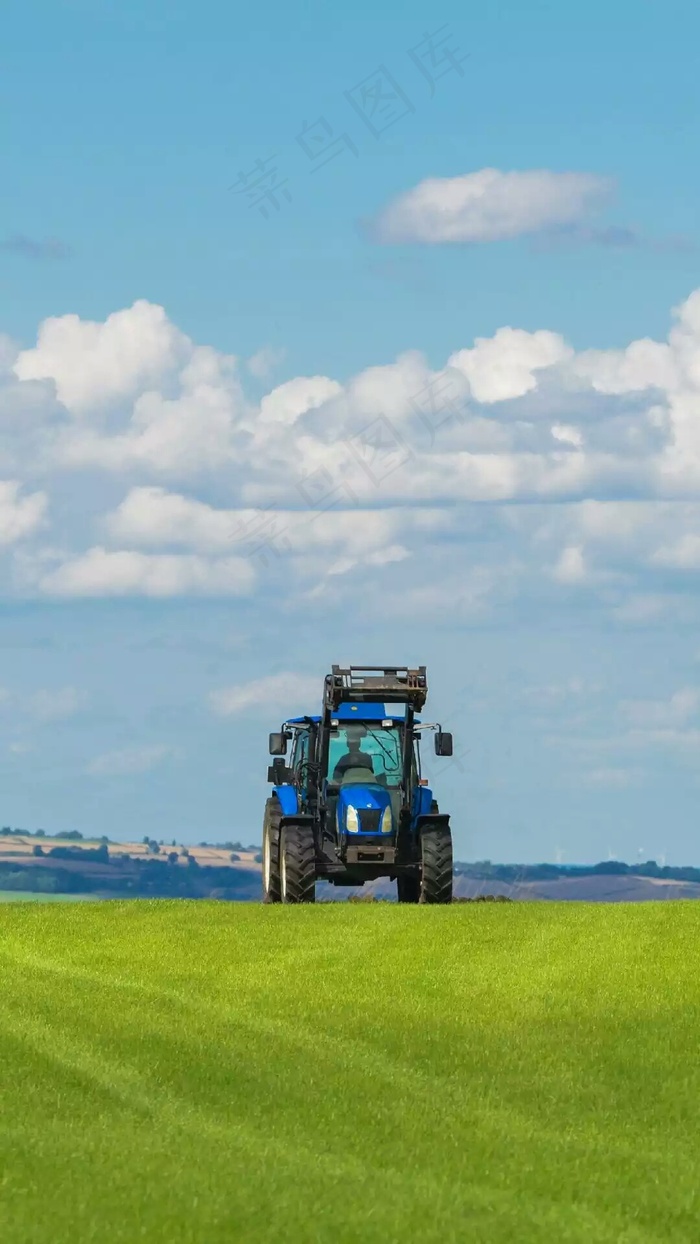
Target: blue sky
(537, 544)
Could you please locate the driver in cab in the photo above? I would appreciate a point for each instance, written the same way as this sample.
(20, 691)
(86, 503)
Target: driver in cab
(354, 758)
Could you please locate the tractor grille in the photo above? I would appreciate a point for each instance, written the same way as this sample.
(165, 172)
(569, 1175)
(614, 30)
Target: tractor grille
(369, 820)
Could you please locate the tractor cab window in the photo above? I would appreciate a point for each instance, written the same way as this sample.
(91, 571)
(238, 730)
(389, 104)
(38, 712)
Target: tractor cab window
(374, 748)
(300, 754)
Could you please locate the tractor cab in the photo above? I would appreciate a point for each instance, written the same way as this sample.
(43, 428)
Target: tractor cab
(364, 784)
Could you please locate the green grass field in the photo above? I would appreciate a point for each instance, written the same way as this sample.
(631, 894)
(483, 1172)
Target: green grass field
(201, 1073)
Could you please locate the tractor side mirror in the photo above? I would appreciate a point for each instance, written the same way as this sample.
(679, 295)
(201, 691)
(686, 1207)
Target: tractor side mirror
(278, 773)
(278, 744)
(443, 743)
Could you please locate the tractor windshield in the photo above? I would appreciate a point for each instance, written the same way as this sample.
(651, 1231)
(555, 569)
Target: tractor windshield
(376, 748)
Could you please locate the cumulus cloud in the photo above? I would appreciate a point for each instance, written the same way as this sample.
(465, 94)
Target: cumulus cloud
(288, 401)
(151, 517)
(663, 714)
(19, 516)
(684, 554)
(571, 567)
(505, 366)
(55, 704)
(181, 435)
(93, 363)
(612, 778)
(489, 206)
(265, 361)
(101, 572)
(274, 692)
(218, 489)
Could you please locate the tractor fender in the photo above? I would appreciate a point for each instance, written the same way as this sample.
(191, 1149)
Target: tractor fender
(289, 799)
(299, 820)
(436, 818)
(421, 801)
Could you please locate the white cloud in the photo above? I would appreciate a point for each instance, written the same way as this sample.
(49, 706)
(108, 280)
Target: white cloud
(568, 436)
(684, 554)
(333, 476)
(181, 435)
(685, 742)
(489, 205)
(295, 397)
(641, 609)
(504, 366)
(95, 363)
(55, 705)
(265, 361)
(100, 572)
(129, 760)
(571, 567)
(612, 778)
(336, 541)
(675, 712)
(273, 692)
(643, 365)
(19, 516)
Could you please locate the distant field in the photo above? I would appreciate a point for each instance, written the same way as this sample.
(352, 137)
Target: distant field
(201, 1073)
(19, 847)
(27, 896)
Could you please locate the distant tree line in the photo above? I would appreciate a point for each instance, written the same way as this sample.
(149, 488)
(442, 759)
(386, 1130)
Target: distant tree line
(139, 878)
(74, 835)
(68, 835)
(484, 870)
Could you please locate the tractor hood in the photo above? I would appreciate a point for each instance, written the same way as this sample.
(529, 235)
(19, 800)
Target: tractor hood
(364, 808)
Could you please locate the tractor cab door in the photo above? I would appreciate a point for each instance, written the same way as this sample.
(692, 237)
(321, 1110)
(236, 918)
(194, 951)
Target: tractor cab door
(300, 760)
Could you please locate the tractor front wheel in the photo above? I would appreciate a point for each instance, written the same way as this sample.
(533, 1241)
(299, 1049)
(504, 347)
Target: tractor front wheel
(297, 864)
(436, 851)
(271, 852)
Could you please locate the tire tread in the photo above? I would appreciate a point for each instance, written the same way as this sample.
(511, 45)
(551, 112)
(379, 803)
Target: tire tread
(436, 849)
(297, 843)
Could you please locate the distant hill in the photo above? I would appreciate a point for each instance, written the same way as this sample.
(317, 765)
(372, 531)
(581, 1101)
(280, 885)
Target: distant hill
(73, 865)
(588, 887)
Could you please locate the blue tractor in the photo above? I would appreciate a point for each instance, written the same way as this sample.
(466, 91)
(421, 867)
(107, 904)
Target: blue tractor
(350, 805)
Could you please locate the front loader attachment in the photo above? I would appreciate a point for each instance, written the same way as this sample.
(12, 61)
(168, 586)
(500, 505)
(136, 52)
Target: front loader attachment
(375, 684)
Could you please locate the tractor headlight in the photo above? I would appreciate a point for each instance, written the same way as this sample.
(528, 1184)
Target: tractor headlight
(386, 825)
(352, 823)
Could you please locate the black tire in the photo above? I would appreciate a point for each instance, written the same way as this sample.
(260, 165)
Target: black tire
(297, 864)
(436, 851)
(272, 892)
(408, 887)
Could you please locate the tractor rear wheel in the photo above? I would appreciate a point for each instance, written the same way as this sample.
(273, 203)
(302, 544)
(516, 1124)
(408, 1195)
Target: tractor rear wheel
(408, 887)
(436, 851)
(271, 852)
(297, 864)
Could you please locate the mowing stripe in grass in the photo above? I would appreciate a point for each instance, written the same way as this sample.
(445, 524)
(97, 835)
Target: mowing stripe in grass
(198, 1072)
